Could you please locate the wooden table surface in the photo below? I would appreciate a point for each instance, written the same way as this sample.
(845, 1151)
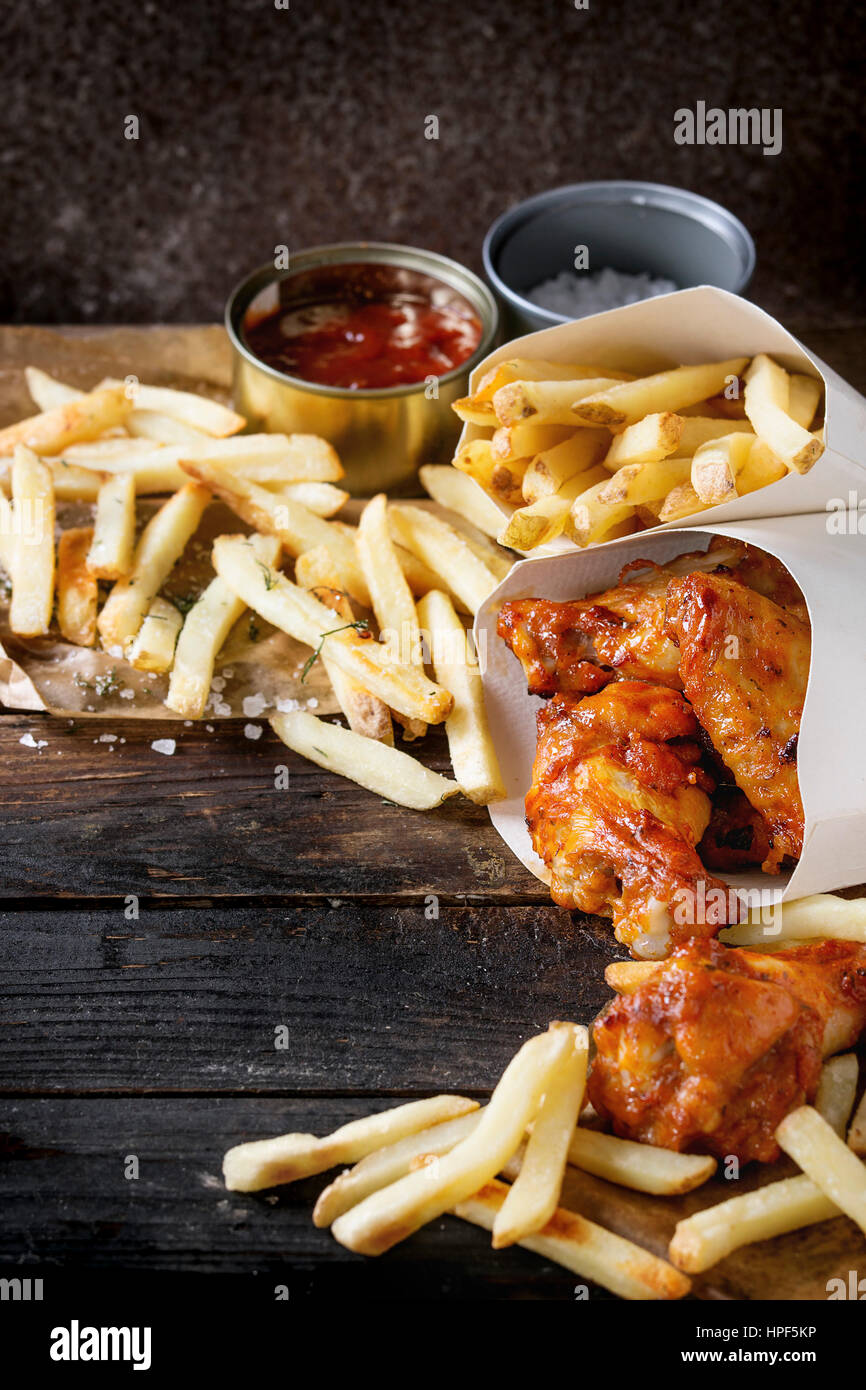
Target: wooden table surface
(395, 953)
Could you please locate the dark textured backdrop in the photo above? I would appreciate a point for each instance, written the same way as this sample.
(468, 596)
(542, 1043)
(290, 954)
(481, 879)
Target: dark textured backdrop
(261, 126)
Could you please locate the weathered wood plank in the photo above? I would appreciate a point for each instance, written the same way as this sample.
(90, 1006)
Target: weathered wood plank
(373, 999)
(91, 819)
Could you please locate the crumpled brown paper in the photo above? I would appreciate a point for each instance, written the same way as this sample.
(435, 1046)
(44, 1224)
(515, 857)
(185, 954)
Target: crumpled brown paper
(260, 669)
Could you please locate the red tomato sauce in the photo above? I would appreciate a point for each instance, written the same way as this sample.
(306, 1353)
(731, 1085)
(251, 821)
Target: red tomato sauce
(366, 340)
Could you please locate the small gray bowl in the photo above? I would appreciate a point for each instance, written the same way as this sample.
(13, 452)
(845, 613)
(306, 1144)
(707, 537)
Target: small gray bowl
(628, 226)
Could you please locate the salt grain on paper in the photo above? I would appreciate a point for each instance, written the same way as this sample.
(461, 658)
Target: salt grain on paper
(252, 731)
(575, 296)
(164, 745)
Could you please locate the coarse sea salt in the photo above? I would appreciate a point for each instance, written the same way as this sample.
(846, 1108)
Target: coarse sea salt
(254, 705)
(252, 731)
(164, 745)
(593, 292)
(30, 742)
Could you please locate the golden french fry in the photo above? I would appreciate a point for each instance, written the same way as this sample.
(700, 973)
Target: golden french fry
(525, 440)
(625, 976)
(7, 534)
(462, 494)
(77, 589)
(807, 1138)
(152, 648)
(716, 466)
(199, 411)
(836, 1091)
(708, 1236)
(680, 502)
(395, 1212)
(766, 399)
(269, 1162)
(390, 594)
(322, 498)
(805, 919)
(47, 393)
(297, 612)
(113, 547)
(158, 428)
(551, 468)
(386, 1165)
(643, 1167)
(473, 756)
(386, 771)
(445, 550)
(159, 548)
(549, 402)
(628, 402)
(654, 437)
(804, 395)
(81, 418)
(760, 468)
(73, 484)
(637, 484)
(700, 429)
(545, 519)
(204, 632)
(591, 517)
(366, 713)
(500, 479)
(588, 1250)
(32, 549)
(534, 1196)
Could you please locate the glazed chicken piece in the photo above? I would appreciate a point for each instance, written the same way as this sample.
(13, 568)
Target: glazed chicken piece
(617, 805)
(736, 839)
(719, 1044)
(744, 663)
(580, 645)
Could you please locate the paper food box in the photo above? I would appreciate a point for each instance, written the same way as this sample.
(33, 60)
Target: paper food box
(704, 325)
(829, 564)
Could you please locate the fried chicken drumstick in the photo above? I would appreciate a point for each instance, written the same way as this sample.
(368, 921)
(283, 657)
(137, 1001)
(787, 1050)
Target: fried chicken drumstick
(719, 1044)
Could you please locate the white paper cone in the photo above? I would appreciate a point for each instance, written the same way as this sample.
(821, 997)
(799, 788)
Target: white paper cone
(831, 756)
(703, 325)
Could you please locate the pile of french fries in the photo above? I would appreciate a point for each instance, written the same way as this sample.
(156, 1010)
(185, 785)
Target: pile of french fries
(404, 570)
(591, 453)
(502, 1166)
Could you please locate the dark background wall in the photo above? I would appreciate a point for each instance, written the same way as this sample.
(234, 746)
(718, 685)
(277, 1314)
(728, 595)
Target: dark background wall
(261, 126)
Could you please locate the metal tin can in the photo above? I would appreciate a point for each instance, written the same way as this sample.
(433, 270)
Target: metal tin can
(382, 436)
(628, 225)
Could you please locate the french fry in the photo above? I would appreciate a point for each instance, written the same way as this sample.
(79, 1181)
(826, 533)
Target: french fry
(525, 440)
(278, 458)
(84, 417)
(366, 713)
(157, 428)
(322, 498)
(158, 550)
(643, 1167)
(270, 1162)
(33, 545)
(473, 756)
(699, 429)
(716, 466)
(806, 919)
(386, 1165)
(155, 467)
(588, 1250)
(77, 589)
(652, 438)
(807, 1138)
(628, 402)
(73, 484)
(297, 527)
(857, 1132)
(298, 613)
(445, 550)
(545, 519)
(680, 502)
(204, 633)
(625, 976)
(760, 468)
(152, 648)
(390, 594)
(199, 411)
(534, 1196)
(47, 393)
(837, 1088)
(500, 479)
(591, 517)
(708, 1236)
(766, 401)
(388, 772)
(460, 493)
(549, 402)
(113, 547)
(7, 534)
(395, 1212)
(551, 468)
(804, 395)
(636, 484)
(477, 409)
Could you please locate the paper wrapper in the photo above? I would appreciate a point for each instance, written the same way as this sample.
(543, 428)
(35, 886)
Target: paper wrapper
(831, 571)
(701, 325)
(50, 674)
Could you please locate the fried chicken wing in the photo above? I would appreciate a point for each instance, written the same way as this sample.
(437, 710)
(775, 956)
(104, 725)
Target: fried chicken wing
(617, 804)
(744, 663)
(719, 1044)
(736, 839)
